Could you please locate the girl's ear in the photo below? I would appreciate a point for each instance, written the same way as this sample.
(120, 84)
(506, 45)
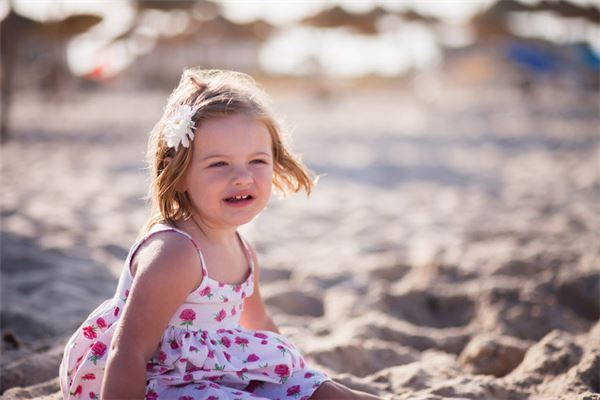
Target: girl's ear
(181, 188)
(166, 161)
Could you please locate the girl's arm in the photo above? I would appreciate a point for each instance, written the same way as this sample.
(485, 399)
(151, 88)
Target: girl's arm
(167, 270)
(254, 316)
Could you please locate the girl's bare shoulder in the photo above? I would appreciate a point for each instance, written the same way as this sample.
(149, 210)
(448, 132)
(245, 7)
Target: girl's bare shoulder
(167, 251)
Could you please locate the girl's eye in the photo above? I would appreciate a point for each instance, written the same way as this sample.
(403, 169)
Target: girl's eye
(217, 164)
(258, 161)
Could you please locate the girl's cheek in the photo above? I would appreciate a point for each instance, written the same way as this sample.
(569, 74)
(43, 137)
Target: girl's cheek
(216, 175)
(267, 176)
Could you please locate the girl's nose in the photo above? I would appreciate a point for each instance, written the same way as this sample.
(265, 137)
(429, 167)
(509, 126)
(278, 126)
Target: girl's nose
(242, 177)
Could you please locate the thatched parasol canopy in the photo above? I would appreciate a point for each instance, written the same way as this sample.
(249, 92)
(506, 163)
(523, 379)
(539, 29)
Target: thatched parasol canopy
(338, 17)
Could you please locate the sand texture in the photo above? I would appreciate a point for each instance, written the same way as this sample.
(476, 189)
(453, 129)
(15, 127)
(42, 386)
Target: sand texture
(450, 249)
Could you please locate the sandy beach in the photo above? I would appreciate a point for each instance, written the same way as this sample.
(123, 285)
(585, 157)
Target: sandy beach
(450, 248)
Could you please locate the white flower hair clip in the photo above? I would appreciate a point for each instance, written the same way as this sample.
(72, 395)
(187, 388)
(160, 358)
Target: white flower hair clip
(179, 126)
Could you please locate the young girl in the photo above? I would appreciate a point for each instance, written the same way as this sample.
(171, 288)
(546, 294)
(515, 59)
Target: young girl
(187, 320)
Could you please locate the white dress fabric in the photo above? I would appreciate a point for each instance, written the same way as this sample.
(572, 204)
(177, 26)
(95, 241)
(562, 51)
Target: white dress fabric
(204, 353)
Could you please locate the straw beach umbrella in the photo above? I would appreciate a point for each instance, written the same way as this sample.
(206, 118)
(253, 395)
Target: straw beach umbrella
(568, 9)
(337, 16)
(49, 36)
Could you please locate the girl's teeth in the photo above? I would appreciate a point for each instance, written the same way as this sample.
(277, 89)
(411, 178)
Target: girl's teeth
(240, 197)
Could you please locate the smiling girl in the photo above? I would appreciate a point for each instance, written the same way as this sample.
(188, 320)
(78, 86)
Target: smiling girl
(187, 320)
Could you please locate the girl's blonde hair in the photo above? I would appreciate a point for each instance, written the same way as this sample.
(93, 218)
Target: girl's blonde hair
(213, 94)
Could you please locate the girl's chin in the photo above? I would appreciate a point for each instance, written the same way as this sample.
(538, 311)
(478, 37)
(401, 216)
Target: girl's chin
(242, 218)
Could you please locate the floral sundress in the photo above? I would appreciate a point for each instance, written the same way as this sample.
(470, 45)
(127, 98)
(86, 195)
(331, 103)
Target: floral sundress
(204, 353)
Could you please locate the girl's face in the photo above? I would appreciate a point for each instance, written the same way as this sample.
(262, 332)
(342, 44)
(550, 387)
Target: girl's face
(230, 176)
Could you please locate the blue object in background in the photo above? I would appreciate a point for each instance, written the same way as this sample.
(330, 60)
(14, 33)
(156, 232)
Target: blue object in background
(588, 56)
(532, 58)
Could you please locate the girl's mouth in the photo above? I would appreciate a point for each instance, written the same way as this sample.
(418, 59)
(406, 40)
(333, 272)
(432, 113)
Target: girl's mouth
(239, 200)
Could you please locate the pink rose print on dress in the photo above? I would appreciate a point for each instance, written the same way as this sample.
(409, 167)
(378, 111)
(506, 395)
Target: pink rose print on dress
(173, 343)
(98, 351)
(237, 288)
(264, 342)
(224, 299)
(283, 371)
(187, 377)
(308, 375)
(251, 358)
(101, 323)
(243, 294)
(162, 356)
(206, 292)
(227, 356)
(293, 391)
(233, 312)
(212, 398)
(283, 349)
(220, 316)
(243, 342)
(93, 396)
(225, 341)
(211, 354)
(151, 395)
(187, 316)
(241, 374)
(116, 312)
(186, 398)
(89, 332)
(88, 377)
(260, 335)
(77, 391)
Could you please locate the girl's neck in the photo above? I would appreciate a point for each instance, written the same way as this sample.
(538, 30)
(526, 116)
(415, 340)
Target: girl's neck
(217, 236)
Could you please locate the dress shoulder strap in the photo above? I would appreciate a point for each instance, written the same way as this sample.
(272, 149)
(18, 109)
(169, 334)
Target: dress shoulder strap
(247, 250)
(163, 228)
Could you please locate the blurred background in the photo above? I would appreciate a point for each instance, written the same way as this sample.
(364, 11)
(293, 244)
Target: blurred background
(60, 47)
(458, 151)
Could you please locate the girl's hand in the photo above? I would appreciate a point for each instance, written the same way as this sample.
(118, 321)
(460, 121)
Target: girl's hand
(167, 269)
